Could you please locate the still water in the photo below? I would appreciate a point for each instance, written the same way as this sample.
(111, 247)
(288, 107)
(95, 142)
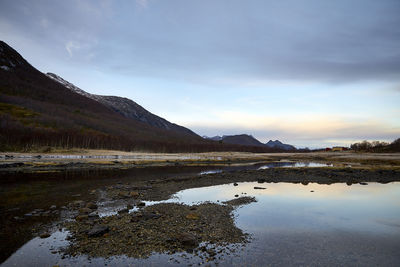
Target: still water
(289, 225)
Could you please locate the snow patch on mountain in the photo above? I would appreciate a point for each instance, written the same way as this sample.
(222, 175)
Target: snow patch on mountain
(125, 107)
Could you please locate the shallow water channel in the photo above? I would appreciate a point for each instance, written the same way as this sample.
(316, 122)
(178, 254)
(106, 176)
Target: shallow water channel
(289, 225)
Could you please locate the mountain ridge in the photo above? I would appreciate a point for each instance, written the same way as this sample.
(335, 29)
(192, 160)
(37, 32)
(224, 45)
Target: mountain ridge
(126, 107)
(38, 113)
(245, 139)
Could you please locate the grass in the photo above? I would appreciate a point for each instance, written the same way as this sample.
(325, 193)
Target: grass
(16, 111)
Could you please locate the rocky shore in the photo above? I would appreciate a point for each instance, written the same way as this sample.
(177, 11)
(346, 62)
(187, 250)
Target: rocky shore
(129, 226)
(205, 230)
(164, 188)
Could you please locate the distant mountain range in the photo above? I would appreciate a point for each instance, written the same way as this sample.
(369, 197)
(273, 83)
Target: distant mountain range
(279, 144)
(249, 140)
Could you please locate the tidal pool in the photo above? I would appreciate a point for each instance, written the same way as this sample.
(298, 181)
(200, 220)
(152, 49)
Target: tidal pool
(293, 224)
(290, 225)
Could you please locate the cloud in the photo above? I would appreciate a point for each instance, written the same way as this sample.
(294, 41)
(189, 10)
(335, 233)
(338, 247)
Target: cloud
(302, 131)
(72, 46)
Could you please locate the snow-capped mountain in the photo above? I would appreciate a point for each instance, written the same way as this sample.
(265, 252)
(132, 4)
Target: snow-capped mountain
(125, 107)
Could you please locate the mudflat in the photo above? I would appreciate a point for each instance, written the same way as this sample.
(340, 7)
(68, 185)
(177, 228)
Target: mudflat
(95, 159)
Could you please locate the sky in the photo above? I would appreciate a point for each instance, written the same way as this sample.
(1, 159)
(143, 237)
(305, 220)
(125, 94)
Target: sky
(312, 73)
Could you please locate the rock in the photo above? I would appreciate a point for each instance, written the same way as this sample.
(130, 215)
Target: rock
(236, 195)
(45, 235)
(13, 209)
(91, 205)
(134, 194)
(144, 216)
(123, 211)
(18, 219)
(363, 183)
(98, 230)
(257, 187)
(53, 207)
(123, 194)
(141, 204)
(93, 215)
(78, 203)
(240, 201)
(187, 239)
(312, 191)
(85, 211)
(81, 217)
(235, 184)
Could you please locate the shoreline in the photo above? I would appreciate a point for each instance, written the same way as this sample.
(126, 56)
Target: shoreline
(93, 159)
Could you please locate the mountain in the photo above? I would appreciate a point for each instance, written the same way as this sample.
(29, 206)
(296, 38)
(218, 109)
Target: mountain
(38, 111)
(242, 139)
(126, 108)
(280, 145)
(248, 140)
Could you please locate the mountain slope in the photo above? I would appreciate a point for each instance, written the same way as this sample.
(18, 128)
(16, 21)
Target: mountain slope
(38, 111)
(248, 140)
(242, 139)
(280, 145)
(127, 108)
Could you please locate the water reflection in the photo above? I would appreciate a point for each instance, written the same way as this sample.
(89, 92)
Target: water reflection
(291, 224)
(294, 206)
(294, 165)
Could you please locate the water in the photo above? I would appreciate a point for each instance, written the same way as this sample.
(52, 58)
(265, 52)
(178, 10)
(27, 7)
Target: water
(333, 225)
(263, 166)
(294, 165)
(289, 225)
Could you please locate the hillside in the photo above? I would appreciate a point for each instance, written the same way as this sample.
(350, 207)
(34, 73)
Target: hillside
(38, 112)
(242, 139)
(127, 108)
(280, 145)
(249, 140)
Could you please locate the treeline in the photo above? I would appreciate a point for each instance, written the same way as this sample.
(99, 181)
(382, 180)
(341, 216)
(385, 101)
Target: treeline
(15, 136)
(37, 112)
(376, 146)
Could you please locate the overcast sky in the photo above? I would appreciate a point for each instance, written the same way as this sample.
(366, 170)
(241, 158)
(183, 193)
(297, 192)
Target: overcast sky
(310, 73)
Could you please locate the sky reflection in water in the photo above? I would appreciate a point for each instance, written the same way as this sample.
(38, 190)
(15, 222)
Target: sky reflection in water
(290, 225)
(374, 207)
